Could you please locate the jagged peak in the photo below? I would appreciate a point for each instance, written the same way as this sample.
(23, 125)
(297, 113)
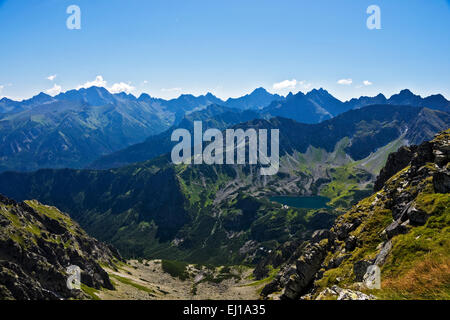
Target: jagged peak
(405, 93)
(144, 96)
(260, 90)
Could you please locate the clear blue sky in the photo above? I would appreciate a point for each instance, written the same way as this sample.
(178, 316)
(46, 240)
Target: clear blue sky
(227, 47)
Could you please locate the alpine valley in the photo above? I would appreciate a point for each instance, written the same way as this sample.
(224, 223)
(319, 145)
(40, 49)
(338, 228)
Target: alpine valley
(87, 179)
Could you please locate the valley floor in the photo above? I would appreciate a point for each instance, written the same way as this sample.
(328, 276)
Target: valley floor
(146, 280)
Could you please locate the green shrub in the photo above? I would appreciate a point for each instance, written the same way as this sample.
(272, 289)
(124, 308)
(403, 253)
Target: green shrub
(176, 269)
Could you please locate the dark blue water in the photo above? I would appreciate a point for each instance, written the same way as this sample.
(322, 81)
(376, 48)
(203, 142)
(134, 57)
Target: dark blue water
(306, 202)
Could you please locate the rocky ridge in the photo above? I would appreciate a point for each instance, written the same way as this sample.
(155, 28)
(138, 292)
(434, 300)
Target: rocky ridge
(37, 244)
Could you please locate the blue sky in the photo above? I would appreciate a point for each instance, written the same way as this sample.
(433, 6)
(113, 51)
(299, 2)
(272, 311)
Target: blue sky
(227, 47)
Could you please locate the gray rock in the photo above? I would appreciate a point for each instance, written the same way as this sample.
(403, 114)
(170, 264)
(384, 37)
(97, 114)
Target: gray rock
(380, 259)
(347, 294)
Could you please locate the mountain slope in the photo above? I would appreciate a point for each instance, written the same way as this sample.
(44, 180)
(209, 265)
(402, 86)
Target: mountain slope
(37, 244)
(404, 229)
(156, 210)
(214, 116)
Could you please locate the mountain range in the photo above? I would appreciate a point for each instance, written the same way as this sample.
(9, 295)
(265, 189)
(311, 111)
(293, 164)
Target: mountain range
(299, 106)
(74, 128)
(79, 127)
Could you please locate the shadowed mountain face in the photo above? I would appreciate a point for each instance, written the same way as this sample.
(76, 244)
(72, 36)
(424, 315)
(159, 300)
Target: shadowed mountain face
(220, 214)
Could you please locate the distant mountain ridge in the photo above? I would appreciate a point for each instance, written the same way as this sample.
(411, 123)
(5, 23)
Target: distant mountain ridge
(319, 105)
(404, 97)
(78, 127)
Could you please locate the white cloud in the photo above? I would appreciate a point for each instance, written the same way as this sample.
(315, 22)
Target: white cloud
(171, 89)
(292, 85)
(53, 91)
(286, 84)
(305, 85)
(115, 88)
(145, 82)
(345, 82)
(121, 87)
(1, 87)
(367, 83)
(98, 82)
(51, 77)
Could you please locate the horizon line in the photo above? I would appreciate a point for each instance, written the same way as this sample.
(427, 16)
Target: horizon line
(223, 100)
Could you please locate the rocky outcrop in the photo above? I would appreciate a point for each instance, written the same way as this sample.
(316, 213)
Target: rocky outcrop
(396, 162)
(343, 294)
(37, 244)
(305, 269)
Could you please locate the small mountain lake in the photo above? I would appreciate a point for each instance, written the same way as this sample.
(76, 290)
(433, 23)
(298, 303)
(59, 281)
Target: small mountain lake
(306, 202)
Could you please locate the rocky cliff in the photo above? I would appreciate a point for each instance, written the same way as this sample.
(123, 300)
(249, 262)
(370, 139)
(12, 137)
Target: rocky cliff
(37, 244)
(403, 229)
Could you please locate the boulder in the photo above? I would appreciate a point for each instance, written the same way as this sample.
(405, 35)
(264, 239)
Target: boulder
(394, 229)
(416, 216)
